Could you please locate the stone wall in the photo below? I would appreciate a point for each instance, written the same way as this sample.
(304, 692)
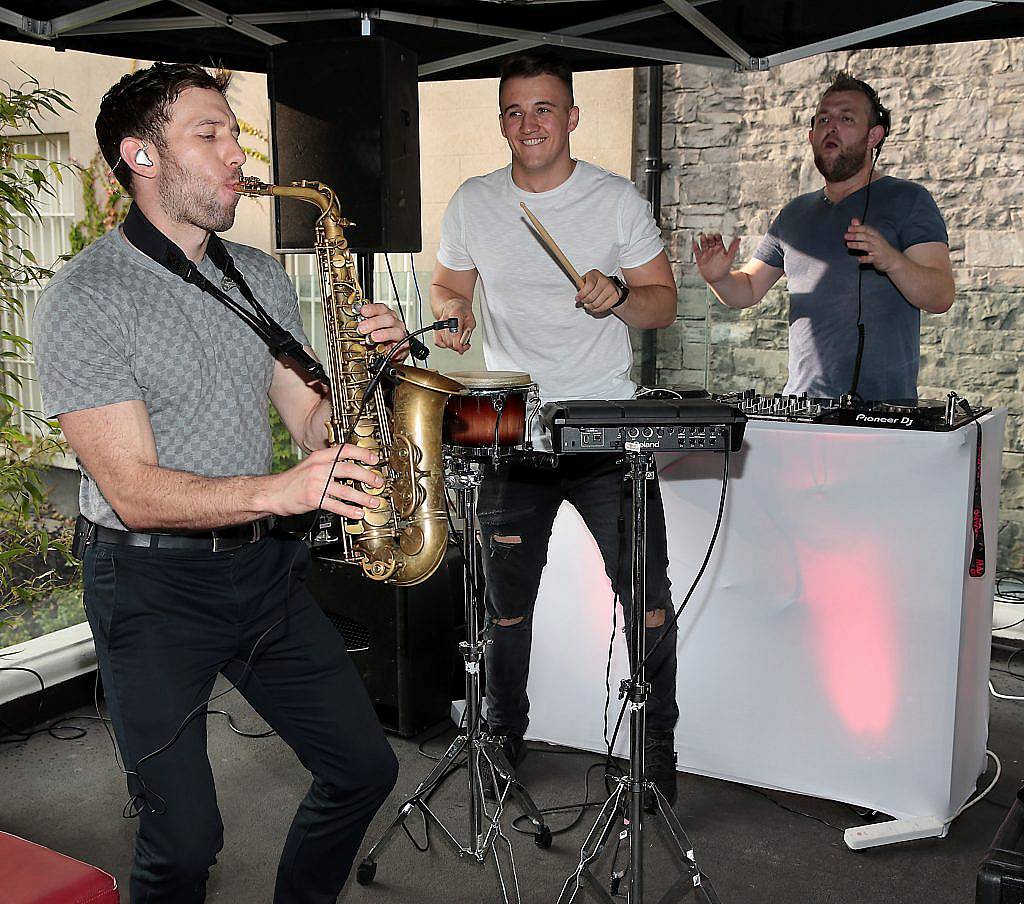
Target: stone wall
(737, 147)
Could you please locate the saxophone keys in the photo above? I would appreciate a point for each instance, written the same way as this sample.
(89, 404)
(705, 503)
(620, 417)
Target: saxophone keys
(372, 490)
(381, 566)
(412, 540)
(403, 498)
(377, 517)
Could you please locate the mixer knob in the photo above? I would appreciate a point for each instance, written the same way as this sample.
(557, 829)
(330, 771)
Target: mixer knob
(632, 432)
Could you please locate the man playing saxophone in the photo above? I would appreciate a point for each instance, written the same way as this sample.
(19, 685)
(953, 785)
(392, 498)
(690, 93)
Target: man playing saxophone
(162, 392)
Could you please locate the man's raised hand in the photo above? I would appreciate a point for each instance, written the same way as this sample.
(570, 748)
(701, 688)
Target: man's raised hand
(713, 259)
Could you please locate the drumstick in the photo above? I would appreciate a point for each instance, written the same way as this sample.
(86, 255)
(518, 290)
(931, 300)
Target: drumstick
(549, 243)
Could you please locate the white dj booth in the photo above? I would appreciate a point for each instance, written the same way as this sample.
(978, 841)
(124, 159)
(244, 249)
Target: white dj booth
(836, 646)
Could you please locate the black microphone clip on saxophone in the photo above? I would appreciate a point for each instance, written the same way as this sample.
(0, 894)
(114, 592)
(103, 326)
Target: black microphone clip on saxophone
(418, 350)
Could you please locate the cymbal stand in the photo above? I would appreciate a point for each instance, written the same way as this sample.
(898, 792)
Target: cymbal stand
(478, 750)
(625, 808)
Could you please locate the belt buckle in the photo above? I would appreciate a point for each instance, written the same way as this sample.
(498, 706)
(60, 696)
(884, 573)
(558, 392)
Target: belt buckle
(224, 544)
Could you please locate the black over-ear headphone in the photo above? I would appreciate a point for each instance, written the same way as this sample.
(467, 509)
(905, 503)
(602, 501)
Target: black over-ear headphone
(881, 115)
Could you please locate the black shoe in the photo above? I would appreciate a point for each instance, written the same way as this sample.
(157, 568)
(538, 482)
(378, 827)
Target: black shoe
(514, 748)
(660, 767)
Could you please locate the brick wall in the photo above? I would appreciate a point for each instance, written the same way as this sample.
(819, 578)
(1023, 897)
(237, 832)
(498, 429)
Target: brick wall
(737, 146)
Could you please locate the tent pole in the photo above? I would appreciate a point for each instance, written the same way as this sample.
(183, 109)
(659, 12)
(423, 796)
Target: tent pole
(653, 167)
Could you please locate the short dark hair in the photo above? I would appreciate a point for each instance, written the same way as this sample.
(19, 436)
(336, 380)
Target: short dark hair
(532, 64)
(880, 114)
(139, 105)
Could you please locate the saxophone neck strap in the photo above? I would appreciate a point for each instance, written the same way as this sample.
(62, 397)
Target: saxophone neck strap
(156, 246)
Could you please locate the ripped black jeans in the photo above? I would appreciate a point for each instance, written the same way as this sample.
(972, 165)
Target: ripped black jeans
(516, 509)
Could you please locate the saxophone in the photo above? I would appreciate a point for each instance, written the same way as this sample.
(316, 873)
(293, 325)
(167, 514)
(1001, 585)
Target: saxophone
(403, 540)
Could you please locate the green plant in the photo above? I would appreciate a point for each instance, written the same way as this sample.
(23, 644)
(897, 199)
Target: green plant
(255, 153)
(29, 558)
(284, 454)
(104, 201)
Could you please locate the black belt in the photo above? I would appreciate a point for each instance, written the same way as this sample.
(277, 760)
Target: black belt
(220, 539)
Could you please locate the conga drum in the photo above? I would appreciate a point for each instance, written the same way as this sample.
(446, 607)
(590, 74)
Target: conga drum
(491, 417)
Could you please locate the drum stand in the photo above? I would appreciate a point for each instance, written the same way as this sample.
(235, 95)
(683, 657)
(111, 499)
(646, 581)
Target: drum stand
(478, 750)
(625, 807)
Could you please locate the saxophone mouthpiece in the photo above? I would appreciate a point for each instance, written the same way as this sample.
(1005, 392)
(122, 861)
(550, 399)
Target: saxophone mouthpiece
(251, 185)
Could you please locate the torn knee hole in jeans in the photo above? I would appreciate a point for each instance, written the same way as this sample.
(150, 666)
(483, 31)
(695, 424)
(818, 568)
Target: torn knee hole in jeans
(654, 618)
(503, 546)
(509, 622)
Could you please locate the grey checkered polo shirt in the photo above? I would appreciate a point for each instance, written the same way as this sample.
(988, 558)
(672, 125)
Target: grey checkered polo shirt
(113, 326)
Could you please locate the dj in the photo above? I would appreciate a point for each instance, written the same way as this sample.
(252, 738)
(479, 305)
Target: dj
(162, 392)
(575, 345)
(865, 249)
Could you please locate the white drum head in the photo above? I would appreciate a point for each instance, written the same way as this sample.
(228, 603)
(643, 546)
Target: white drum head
(491, 379)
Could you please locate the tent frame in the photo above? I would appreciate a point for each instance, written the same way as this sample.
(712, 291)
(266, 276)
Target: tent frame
(100, 19)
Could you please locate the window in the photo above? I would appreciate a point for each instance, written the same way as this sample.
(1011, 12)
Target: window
(47, 238)
(302, 269)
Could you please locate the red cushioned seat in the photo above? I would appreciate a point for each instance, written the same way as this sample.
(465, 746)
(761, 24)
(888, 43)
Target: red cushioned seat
(33, 874)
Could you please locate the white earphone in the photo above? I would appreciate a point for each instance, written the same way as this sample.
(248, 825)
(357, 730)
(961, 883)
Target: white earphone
(141, 157)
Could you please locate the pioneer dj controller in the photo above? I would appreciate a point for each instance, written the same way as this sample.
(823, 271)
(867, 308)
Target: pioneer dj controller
(925, 414)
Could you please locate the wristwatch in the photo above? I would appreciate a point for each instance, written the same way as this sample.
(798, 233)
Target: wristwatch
(623, 292)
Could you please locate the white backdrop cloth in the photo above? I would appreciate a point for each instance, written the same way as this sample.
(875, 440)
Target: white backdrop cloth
(836, 646)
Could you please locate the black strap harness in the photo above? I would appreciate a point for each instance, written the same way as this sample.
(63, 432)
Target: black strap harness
(156, 246)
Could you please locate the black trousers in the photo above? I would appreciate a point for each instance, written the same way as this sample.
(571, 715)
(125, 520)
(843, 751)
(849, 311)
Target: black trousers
(166, 622)
(516, 510)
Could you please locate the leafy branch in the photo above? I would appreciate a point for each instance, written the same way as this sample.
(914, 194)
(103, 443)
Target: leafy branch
(30, 559)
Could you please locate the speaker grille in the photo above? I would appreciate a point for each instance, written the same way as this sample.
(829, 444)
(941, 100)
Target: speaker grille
(357, 636)
(346, 112)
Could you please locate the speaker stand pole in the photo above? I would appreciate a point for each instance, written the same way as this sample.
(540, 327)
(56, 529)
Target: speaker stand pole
(364, 266)
(625, 808)
(480, 751)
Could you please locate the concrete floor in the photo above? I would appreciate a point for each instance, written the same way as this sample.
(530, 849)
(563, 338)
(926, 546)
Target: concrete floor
(69, 795)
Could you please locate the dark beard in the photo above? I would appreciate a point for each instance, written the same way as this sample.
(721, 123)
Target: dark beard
(846, 164)
(186, 200)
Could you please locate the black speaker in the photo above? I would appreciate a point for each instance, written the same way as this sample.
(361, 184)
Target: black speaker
(403, 640)
(1001, 874)
(346, 113)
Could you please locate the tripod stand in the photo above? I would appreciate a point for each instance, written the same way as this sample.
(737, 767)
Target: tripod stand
(625, 807)
(479, 751)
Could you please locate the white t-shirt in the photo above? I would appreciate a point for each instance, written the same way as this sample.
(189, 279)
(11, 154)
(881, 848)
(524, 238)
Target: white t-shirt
(529, 317)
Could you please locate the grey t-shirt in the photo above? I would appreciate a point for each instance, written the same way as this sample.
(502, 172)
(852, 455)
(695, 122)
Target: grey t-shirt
(806, 240)
(113, 326)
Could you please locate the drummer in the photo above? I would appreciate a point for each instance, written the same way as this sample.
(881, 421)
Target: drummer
(574, 342)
